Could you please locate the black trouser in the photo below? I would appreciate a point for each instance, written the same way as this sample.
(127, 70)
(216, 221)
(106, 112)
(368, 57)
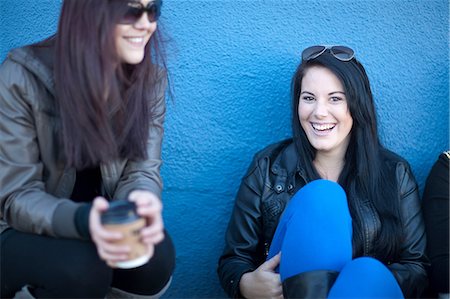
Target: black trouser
(69, 268)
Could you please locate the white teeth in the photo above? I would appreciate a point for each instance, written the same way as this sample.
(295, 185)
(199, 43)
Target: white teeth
(135, 40)
(323, 127)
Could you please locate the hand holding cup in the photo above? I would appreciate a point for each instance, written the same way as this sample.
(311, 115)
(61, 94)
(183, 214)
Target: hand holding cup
(149, 207)
(126, 232)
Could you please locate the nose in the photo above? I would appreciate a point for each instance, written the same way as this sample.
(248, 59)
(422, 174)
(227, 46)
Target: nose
(321, 109)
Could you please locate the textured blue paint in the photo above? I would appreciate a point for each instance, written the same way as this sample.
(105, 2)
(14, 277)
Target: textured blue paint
(231, 64)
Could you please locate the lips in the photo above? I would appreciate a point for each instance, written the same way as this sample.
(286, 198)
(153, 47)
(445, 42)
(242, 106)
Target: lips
(323, 127)
(135, 41)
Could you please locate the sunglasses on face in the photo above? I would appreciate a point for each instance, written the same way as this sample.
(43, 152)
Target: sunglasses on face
(134, 11)
(341, 53)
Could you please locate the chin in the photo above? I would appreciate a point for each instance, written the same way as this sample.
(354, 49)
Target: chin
(321, 147)
(134, 60)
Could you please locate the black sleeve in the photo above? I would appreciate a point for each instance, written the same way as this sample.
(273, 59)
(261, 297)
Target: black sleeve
(436, 214)
(82, 220)
(243, 252)
(410, 268)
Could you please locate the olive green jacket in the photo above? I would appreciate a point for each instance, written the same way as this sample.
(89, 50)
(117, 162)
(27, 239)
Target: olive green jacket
(35, 183)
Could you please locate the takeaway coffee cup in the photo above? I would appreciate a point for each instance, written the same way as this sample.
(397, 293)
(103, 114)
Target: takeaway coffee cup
(122, 217)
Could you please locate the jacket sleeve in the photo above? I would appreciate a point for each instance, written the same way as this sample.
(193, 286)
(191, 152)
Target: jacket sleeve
(410, 271)
(436, 213)
(24, 203)
(243, 250)
(145, 175)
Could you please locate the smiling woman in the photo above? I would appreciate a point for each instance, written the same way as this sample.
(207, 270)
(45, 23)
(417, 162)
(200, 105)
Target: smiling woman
(135, 30)
(81, 125)
(330, 212)
(324, 116)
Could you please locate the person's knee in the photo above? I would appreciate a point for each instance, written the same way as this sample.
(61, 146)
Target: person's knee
(161, 266)
(367, 265)
(91, 283)
(322, 192)
(85, 276)
(365, 277)
(321, 197)
(165, 254)
(151, 278)
(319, 231)
(115, 293)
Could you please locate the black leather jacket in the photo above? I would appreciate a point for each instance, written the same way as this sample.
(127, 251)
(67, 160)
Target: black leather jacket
(271, 180)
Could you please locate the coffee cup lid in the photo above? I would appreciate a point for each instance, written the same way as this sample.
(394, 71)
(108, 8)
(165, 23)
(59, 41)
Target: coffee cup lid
(120, 211)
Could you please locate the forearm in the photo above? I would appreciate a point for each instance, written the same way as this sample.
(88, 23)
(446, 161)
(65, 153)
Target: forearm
(140, 176)
(34, 211)
(230, 273)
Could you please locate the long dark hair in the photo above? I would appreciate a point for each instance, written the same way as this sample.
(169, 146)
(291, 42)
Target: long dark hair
(363, 174)
(105, 106)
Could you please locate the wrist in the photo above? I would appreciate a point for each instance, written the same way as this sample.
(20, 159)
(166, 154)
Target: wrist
(82, 220)
(244, 283)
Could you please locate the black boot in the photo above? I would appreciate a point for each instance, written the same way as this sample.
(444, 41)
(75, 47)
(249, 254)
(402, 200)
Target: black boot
(309, 285)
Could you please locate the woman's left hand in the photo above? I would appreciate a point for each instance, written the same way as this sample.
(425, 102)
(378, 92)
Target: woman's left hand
(149, 206)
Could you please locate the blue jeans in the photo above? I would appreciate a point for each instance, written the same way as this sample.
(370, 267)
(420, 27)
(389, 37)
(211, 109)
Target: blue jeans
(315, 233)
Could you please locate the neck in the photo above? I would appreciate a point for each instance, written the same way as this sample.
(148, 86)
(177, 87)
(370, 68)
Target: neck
(329, 167)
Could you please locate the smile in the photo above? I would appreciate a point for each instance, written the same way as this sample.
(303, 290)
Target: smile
(323, 127)
(138, 41)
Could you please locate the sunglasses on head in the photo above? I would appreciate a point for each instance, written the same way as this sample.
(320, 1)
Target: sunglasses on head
(135, 10)
(341, 53)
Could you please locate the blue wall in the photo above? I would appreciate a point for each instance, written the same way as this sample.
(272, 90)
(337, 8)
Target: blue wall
(231, 64)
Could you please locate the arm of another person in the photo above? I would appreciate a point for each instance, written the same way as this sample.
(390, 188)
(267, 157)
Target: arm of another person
(242, 269)
(24, 203)
(410, 270)
(436, 213)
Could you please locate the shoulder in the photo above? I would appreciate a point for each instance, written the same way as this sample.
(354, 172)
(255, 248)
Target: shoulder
(446, 154)
(16, 80)
(275, 150)
(440, 168)
(398, 168)
(442, 164)
(29, 63)
(13, 68)
(444, 159)
(274, 156)
(394, 160)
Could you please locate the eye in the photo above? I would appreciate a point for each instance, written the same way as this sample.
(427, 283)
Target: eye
(133, 12)
(307, 99)
(336, 99)
(152, 10)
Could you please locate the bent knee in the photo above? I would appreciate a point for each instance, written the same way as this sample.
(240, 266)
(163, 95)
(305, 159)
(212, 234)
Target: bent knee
(86, 276)
(115, 293)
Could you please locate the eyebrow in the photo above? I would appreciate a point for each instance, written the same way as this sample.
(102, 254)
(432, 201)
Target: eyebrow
(331, 93)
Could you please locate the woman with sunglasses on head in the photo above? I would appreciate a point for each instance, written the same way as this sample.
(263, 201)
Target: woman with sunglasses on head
(330, 212)
(81, 118)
